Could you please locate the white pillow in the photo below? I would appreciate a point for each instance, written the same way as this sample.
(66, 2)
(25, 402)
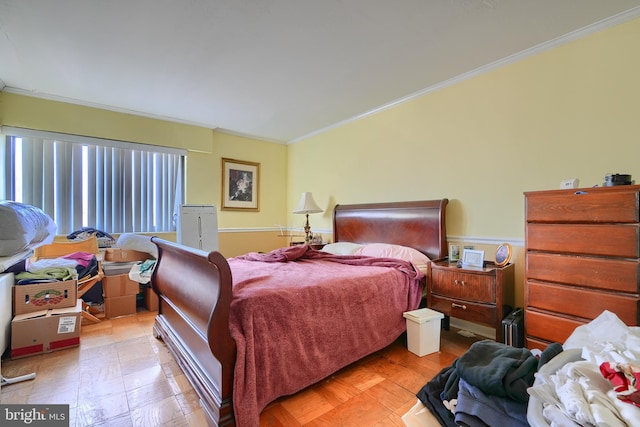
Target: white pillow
(341, 248)
(386, 250)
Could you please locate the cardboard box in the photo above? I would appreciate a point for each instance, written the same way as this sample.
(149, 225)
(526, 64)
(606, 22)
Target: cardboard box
(125, 255)
(120, 306)
(150, 299)
(44, 296)
(46, 331)
(119, 286)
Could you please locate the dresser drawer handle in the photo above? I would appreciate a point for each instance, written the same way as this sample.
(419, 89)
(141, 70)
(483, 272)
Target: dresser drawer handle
(457, 282)
(462, 306)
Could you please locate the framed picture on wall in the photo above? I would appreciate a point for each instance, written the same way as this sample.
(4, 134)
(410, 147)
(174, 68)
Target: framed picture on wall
(240, 185)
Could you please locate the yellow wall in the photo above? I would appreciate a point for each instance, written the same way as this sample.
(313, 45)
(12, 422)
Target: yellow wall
(205, 148)
(52, 116)
(569, 112)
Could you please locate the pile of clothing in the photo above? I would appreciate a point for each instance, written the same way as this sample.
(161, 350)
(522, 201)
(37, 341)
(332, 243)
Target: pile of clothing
(486, 386)
(77, 265)
(601, 387)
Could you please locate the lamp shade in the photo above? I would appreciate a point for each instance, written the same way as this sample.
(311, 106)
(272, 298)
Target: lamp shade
(307, 205)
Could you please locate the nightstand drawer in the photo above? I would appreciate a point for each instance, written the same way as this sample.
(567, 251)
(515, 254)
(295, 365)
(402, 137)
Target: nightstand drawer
(463, 285)
(584, 303)
(464, 310)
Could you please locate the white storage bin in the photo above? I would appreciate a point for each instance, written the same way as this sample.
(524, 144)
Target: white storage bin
(423, 331)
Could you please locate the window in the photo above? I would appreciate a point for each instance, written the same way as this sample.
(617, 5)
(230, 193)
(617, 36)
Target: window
(113, 186)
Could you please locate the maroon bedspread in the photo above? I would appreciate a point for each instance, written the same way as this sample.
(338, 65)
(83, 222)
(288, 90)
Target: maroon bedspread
(298, 315)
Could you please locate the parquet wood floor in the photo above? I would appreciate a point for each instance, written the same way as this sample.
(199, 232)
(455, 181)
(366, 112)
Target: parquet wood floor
(122, 376)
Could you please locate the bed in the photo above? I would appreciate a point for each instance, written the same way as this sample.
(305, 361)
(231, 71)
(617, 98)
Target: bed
(221, 340)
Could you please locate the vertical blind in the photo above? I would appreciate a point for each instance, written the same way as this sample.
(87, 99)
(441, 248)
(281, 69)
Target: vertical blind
(114, 186)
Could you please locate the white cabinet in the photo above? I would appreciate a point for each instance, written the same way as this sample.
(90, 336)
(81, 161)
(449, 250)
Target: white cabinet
(198, 227)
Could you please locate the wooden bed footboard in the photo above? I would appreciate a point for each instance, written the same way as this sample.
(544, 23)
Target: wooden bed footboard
(194, 290)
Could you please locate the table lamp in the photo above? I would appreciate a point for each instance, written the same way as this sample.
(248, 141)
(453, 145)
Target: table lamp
(306, 206)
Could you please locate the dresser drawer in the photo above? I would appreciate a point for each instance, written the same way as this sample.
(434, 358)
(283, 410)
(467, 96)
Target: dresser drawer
(549, 327)
(588, 205)
(605, 239)
(532, 343)
(464, 285)
(465, 310)
(591, 272)
(581, 302)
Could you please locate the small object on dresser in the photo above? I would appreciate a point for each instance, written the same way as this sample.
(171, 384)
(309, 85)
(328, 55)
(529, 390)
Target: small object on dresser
(612, 179)
(570, 183)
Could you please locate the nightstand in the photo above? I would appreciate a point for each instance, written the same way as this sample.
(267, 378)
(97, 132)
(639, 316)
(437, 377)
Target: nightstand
(479, 295)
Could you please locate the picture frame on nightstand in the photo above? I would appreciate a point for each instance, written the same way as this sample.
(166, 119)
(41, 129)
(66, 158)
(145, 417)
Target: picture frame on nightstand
(472, 258)
(503, 255)
(454, 253)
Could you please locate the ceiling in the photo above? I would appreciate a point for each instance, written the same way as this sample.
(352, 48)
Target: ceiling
(278, 70)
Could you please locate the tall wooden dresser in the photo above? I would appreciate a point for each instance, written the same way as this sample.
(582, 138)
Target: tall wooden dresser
(582, 257)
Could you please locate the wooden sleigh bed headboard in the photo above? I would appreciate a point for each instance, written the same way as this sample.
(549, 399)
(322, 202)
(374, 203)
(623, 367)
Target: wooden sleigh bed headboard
(419, 225)
(195, 291)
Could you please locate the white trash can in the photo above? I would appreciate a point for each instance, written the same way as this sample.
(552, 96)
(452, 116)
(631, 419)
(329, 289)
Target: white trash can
(423, 331)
